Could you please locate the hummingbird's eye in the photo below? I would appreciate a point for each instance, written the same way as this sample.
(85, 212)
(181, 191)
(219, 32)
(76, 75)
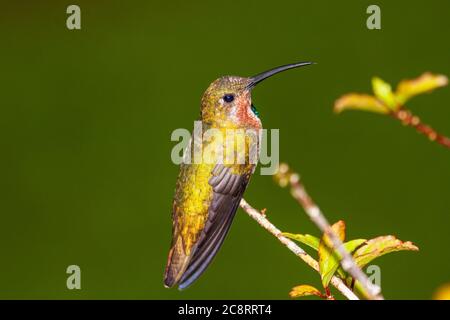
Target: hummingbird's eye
(228, 98)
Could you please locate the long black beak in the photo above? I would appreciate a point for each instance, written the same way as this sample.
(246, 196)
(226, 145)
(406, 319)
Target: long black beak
(264, 75)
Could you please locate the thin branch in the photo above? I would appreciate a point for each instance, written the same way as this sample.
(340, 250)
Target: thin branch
(313, 211)
(407, 118)
(299, 252)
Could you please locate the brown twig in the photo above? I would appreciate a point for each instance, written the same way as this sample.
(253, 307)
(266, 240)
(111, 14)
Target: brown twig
(299, 252)
(408, 119)
(299, 193)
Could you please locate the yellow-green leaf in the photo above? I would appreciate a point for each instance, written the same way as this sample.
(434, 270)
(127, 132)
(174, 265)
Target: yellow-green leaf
(339, 229)
(350, 246)
(304, 290)
(328, 262)
(427, 82)
(307, 239)
(358, 101)
(383, 92)
(380, 246)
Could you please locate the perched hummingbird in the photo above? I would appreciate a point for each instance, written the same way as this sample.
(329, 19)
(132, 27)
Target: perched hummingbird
(208, 193)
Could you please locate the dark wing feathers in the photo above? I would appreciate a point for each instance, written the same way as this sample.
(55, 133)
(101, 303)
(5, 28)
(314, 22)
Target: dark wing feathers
(228, 189)
(201, 261)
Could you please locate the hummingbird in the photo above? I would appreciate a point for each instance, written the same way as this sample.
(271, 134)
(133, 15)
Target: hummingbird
(208, 193)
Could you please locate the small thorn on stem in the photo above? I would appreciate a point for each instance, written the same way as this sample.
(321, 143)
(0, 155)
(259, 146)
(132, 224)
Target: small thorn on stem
(263, 212)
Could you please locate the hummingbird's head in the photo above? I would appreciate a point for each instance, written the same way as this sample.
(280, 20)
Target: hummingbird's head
(228, 102)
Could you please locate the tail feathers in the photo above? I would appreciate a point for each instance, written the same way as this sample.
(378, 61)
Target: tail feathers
(176, 264)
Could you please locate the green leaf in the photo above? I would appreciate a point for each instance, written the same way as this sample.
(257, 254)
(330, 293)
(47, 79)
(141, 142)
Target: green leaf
(358, 101)
(380, 246)
(427, 82)
(304, 290)
(307, 239)
(328, 261)
(383, 92)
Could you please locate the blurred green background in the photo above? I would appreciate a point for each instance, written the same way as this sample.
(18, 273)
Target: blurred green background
(86, 175)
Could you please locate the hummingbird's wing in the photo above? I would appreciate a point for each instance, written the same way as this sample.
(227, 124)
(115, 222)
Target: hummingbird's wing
(227, 190)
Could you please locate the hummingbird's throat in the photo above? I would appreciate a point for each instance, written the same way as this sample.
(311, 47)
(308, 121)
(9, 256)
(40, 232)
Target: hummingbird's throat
(248, 116)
